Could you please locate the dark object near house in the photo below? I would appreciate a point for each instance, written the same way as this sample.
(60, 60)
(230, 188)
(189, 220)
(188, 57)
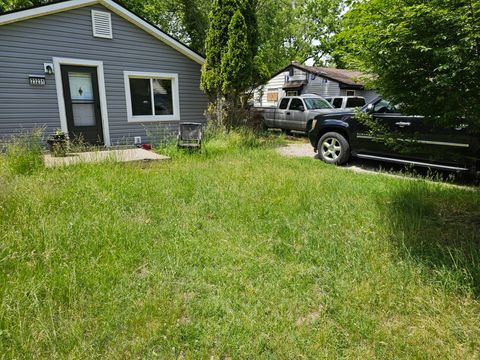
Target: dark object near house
(190, 135)
(58, 144)
(418, 141)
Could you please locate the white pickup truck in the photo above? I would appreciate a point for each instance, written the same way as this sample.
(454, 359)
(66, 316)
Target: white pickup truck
(346, 102)
(293, 112)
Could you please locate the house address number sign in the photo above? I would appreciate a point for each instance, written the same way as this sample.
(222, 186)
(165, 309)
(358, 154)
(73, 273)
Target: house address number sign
(36, 80)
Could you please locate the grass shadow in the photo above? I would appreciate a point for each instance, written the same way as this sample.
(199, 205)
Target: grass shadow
(439, 228)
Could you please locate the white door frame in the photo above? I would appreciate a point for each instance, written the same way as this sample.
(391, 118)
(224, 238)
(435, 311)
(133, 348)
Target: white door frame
(57, 62)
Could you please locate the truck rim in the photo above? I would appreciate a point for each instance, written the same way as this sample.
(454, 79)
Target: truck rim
(331, 149)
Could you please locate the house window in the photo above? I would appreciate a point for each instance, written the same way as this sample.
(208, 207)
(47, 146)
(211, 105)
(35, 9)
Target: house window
(292, 93)
(151, 96)
(324, 81)
(272, 95)
(350, 92)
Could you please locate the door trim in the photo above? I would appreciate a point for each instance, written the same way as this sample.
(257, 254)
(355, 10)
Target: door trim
(57, 62)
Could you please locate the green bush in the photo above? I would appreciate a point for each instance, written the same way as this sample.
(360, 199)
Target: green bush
(23, 153)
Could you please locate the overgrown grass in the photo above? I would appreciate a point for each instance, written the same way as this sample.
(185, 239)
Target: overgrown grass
(22, 154)
(218, 141)
(236, 253)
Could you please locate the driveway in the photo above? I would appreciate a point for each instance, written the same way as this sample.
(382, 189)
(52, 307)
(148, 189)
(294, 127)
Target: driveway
(299, 150)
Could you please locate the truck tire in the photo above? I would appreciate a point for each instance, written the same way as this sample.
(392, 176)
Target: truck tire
(333, 148)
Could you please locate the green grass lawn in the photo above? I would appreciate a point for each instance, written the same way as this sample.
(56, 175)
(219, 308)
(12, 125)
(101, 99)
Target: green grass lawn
(236, 254)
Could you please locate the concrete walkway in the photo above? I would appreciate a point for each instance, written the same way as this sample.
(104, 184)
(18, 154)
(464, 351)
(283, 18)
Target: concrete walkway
(99, 156)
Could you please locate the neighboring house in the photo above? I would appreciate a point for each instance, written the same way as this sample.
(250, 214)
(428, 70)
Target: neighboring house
(299, 79)
(94, 68)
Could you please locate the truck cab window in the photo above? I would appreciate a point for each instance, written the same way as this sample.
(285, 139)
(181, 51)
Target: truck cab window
(284, 103)
(355, 102)
(317, 103)
(295, 104)
(384, 107)
(337, 103)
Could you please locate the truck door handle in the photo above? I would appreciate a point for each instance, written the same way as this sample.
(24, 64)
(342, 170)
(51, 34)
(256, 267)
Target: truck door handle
(288, 112)
(403, 124)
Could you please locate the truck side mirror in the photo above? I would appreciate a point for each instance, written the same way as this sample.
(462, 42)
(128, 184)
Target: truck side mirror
(301, 108)
(370, 108)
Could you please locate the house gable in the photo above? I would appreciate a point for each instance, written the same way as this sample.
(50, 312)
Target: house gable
(119, 10)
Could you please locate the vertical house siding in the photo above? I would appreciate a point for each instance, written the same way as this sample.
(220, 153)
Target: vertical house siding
(27, 44)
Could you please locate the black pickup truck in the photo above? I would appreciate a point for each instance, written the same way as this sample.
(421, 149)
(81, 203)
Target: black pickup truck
(337, 136)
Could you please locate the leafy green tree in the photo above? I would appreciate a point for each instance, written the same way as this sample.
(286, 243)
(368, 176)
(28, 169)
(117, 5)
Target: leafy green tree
(185, 19)
(424, 54)
(215, 44)
(195, 21)
(8, 5)
(237, 62)
(323, 22)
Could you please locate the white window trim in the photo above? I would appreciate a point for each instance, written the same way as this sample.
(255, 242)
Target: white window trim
(57, 62)
(152, 118)
(94, 12)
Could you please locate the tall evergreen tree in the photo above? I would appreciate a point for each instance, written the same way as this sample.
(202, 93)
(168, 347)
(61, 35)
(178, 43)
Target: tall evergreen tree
(231, 67)
(215, 44)
(236, 64)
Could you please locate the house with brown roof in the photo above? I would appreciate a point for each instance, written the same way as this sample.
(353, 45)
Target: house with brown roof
(297, 79)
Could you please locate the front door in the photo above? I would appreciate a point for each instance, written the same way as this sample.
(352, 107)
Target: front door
(82, 104)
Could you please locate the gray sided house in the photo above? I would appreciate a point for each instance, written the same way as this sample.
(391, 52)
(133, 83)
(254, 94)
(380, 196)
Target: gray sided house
(299, 79)
(94, 69)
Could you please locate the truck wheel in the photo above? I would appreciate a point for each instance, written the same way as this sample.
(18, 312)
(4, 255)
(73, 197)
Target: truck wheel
(333, 148)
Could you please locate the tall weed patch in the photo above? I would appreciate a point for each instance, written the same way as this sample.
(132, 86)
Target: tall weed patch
(22, 154)
(218, 140)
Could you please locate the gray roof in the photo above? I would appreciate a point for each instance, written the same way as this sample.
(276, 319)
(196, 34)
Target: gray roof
(347, 77)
